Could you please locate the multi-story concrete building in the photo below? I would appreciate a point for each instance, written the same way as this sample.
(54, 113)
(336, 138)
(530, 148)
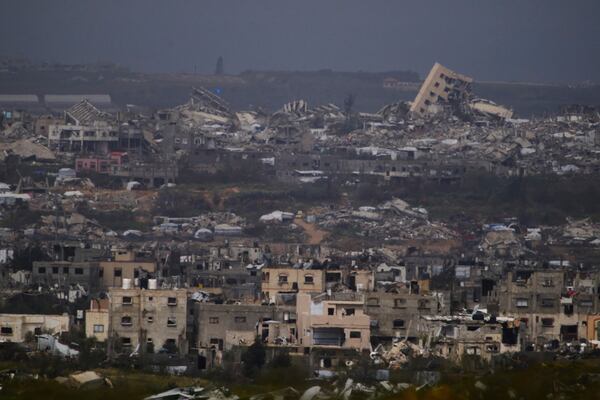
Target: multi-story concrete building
(125, 264)
(148, 320)
(222, 326)
(397, 315)
(277, 280)
(65, 273)
(241, 283)
(554, 304)
(86, 129)
(460, 338)
(335, 320)
(441, 86)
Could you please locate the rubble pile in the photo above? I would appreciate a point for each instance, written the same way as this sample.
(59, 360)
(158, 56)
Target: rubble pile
(215, 222)
(194, 393)
(390, 221)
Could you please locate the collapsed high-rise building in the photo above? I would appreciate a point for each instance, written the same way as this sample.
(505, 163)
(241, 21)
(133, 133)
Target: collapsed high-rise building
(442, 86)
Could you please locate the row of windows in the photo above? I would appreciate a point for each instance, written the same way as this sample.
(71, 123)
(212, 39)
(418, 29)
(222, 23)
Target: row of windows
(117, 272)
(197, 141)
(8, 331)
(56, 270)
(398, 303)
(238, 320)
(128, 300)
(283, 278)
(346, 311)
(128, 321)
(549, 303)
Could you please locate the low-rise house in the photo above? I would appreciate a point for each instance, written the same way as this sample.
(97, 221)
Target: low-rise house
(101, 165)
(456, 338)
(222, 326)
(97, 319)
(15, 327)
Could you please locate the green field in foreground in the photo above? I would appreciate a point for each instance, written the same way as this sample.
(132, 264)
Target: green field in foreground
(558, 380)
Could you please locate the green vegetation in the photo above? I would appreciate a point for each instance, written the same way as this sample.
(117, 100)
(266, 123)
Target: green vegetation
(254, 358)
(567, 379)
(128, 385)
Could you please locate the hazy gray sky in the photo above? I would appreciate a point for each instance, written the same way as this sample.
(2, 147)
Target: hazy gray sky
(536, 40)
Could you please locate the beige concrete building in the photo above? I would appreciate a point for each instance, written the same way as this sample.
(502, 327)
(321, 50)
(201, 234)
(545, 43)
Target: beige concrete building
(361, 280)
(148, 320)
(14, 327)
(441, 86)
(397, 315)
(96, 320)
(126, 264)
(333, 321)
(593, 327)
(552, 304)
(222, 326)
(276, 280)
(470, 339)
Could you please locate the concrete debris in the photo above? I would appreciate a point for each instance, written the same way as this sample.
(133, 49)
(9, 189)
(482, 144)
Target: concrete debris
(185, 393)
(390, 221)
(277, 216)
(310, 393)
(86, 380)
(49, 343)
(26, 149)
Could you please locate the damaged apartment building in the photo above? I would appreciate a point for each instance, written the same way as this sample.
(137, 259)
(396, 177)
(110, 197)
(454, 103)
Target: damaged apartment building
(552, 304)
(148, 320)
(85, 129)
(444, 88)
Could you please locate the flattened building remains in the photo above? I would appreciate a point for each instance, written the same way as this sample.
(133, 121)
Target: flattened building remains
(204, 287)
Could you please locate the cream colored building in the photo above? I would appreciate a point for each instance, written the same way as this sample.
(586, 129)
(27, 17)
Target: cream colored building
(96, 320)
(14, 327)
(148, 319)
(277, 280)
(335, 321)
(125, 264)
(440, 86)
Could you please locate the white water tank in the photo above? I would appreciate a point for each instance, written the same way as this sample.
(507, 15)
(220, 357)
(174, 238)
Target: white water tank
(126, 283)
(152, 284)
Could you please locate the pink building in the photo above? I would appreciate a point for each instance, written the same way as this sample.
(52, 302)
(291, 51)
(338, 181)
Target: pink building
(101, 165)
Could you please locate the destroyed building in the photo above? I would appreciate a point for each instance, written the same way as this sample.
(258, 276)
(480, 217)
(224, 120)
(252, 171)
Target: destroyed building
(85, 129)
(442, 86)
